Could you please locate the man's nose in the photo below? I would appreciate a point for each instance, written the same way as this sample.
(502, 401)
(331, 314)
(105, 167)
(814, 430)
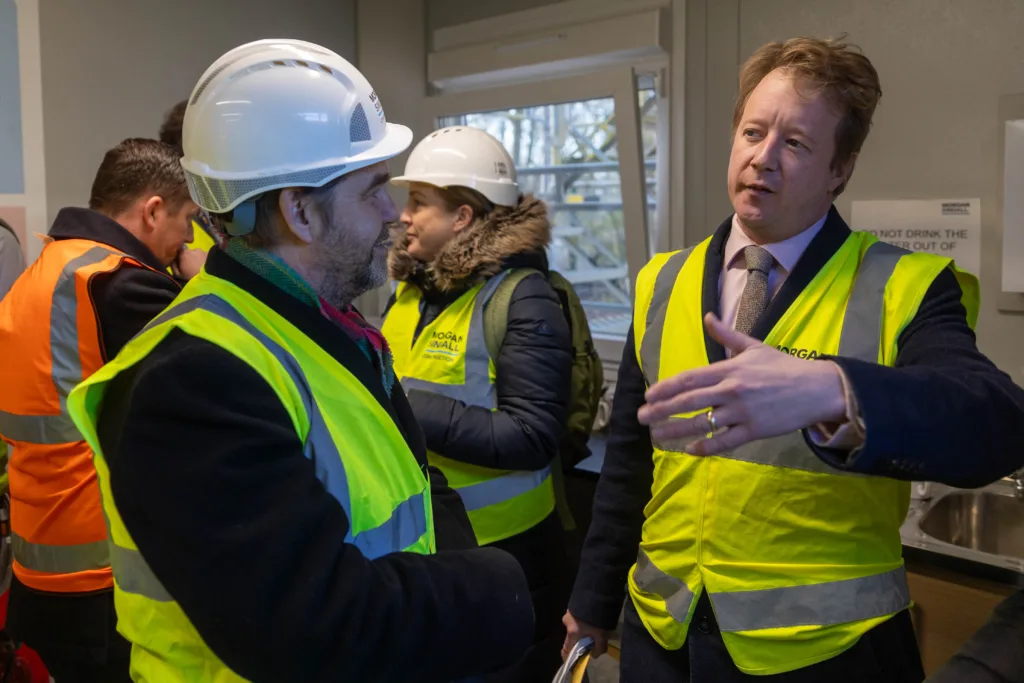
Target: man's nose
(390, 213)
(766, 158)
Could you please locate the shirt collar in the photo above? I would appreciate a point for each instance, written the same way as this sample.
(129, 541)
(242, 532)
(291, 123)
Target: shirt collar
(786, 253)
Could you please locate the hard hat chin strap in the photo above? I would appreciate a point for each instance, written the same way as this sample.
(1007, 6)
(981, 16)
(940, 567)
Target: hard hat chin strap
(243, 219)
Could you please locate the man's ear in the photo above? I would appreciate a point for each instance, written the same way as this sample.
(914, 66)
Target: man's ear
(842, 174)
(463, 217)
(153, 210)
(294, 206)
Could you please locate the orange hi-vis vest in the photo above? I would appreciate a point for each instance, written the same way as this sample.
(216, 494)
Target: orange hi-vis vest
(49, 342)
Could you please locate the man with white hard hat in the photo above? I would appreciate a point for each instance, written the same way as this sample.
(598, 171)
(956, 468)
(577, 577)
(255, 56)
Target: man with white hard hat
(266, 486)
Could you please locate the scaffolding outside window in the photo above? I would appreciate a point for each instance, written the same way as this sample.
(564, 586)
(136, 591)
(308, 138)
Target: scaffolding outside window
(566, 154)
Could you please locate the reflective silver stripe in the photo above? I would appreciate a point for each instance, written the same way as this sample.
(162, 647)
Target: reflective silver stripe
(676, 594)
(64, 342)
(789, 451)
(501, 489)
(394, 535)
(472, 394)
(861, 336)
(131, 571)
(133, 575)
(66, 364)
(820, 604)
(650, 347)
(477, 390)
(39, 429)
(320, 448)
(60, 559)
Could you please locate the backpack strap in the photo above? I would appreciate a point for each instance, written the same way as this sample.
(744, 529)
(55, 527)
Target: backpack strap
(496, 312)
(495, 326)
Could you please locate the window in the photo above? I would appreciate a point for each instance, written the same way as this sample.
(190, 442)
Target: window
(601, 192)
(566, 154)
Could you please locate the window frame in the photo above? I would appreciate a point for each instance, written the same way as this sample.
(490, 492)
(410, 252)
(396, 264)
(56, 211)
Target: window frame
(621, 84)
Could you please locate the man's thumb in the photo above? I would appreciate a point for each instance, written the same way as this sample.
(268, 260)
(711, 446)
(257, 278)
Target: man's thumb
(728, 337)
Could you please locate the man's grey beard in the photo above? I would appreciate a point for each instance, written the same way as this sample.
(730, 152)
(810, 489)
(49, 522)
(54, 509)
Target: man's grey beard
(343, 279)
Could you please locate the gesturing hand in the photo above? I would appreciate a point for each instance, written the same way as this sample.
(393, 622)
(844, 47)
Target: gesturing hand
(758, 393)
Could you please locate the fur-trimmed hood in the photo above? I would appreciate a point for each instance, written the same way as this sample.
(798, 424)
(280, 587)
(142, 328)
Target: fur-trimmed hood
(481, 250)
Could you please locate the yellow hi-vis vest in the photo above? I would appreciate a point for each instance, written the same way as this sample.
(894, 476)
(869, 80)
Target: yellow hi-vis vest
(359, 454)
(450, 358)
(201, 239)
(799, 559)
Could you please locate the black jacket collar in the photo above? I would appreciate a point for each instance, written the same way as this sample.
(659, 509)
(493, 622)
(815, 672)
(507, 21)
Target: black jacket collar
(319, 329)
(85, 224)
(824, 245)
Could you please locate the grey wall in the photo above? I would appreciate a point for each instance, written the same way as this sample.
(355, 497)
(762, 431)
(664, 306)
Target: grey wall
(111, 68)
(943, 65)
(397, 68)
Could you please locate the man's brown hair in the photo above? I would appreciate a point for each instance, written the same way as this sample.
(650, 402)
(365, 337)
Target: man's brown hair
(170, 130)
(138, 167)
(827, 66)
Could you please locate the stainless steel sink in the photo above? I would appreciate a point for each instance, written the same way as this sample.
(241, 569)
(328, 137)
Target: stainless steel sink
(982, 525)
(985, 521)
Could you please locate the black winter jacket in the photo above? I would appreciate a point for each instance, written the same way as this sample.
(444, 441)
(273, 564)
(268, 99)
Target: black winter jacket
(232, 519)
(532, 377)
(533, 374)
(533, 368)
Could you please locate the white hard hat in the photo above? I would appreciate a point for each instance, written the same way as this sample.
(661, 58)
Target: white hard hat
(466, 156)
(280, 113)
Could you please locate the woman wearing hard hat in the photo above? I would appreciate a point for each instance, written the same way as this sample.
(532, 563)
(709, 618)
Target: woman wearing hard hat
(493, 410)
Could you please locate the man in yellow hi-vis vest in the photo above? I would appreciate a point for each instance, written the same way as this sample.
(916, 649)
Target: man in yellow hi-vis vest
(781, 382)
(265, 485)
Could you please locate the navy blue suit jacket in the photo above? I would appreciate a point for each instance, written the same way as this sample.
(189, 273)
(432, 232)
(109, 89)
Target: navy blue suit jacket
(943, 413)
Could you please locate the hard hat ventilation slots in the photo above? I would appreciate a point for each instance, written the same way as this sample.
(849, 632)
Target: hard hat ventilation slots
(216, 72)
(359, 127)
(276, 63)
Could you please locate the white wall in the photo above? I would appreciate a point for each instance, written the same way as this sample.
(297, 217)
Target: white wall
(943, 65)
(112, 68)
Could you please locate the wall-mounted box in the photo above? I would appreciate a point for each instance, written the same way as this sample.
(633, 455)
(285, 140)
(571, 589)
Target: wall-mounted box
(1013, 205)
